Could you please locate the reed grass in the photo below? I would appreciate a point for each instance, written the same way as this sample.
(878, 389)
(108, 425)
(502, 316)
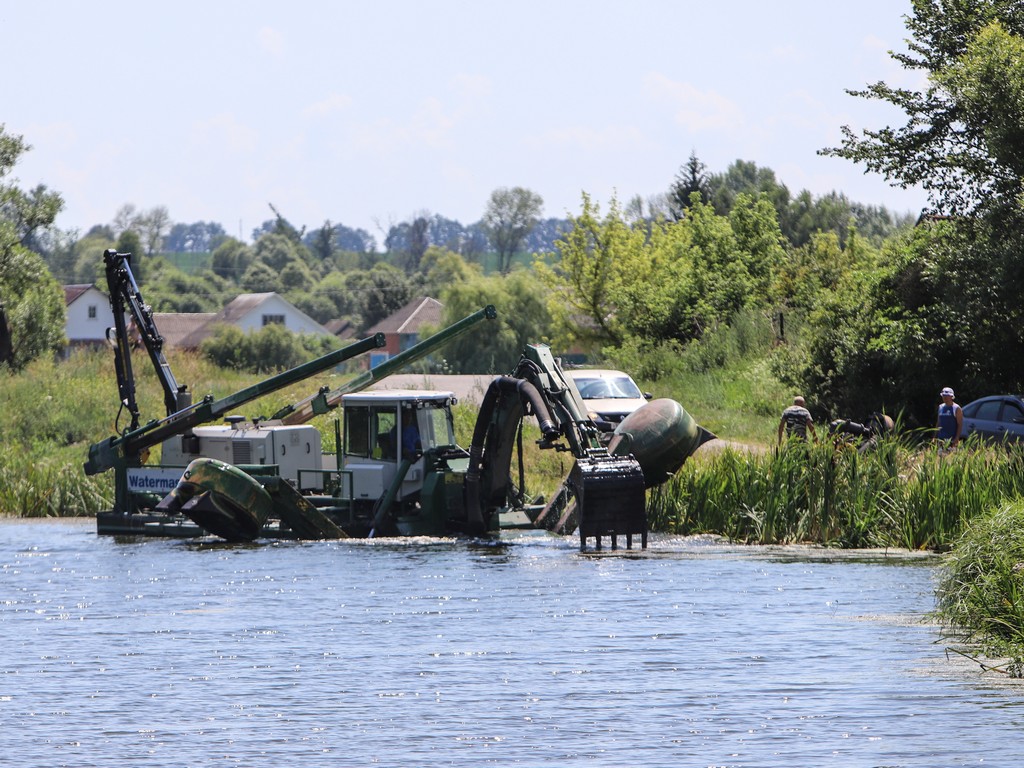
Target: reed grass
(897, 495)
(981, 590)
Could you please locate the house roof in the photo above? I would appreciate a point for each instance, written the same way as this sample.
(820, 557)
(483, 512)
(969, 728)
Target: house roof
(421, 311)
(72, 292)
(242, 305)
(342, 328)
(236, 309)
(176, 327)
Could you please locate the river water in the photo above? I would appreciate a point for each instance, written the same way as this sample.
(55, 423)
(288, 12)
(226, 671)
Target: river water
(456, 653)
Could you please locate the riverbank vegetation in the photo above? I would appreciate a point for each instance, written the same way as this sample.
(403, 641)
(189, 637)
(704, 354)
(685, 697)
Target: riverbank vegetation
(981, 592)
(900, 493)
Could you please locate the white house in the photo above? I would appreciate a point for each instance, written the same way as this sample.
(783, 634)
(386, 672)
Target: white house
(88, 315)
(253, 311)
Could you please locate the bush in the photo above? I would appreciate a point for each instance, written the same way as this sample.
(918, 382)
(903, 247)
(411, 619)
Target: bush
(270, 349)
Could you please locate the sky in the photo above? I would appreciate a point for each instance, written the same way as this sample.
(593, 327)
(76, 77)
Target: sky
(370, 114)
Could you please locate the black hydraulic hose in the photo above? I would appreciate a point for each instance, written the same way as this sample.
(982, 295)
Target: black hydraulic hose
(526, 393)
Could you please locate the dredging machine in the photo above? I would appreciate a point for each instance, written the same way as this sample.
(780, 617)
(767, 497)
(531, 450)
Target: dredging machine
(395, 467)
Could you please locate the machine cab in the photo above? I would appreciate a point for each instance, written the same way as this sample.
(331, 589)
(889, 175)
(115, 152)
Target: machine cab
(386, 427)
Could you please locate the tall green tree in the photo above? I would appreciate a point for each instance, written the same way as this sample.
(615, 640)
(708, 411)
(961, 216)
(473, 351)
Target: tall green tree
(510, 215)
(32, 318)
(495, 346)
(585, 276)
(961, 139)
(691, 179)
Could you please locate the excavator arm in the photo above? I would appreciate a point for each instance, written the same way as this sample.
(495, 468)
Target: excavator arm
(125, 298)
(603, 494)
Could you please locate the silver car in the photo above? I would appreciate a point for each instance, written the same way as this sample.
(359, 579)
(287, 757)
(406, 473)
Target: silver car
(995, 418)
(610, 396)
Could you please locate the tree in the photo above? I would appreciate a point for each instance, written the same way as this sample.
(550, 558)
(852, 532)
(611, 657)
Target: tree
(691, 179)
(230, 259)
(261, 278)
(276, 250)
(419, 241)
(962, 138)
(322, 242)
(509, 217)
(31, 302)
(495, 347)
(153, 226)
(124, 219)
(594, 259)
(444, 269)
(945, 305)
(198, 237)
(26, 212)
(372, 294)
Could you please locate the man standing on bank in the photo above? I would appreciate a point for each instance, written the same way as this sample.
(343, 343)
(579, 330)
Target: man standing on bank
(796, 421)
(950, 422)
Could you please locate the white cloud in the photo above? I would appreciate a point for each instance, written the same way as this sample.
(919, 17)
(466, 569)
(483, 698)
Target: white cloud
(336, 102)
(472, 87)
(609, 138)
(429, 126)
(224, 132)
(271, 41)
(696, 110)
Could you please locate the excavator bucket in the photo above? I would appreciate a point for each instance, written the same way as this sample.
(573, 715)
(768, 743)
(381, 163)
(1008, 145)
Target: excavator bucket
(221, 499)
(610, 499)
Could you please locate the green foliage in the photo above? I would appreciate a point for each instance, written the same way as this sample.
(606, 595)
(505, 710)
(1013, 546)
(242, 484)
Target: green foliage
(940, 306)
(376, 293)
(891, 496)
(260, 277)
(981, 591)
(598, 261)
(963, 130)
(272, 348)
(32, 301)
(169, 289)
(802, 216)
(443, 268)
(296, 276)
(276, 251)
(231, 259)
(495, 346)
(690, 180)
(510, 215)
(660, 281)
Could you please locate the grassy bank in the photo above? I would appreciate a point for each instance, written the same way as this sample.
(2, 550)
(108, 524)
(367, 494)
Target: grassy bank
(897, 495)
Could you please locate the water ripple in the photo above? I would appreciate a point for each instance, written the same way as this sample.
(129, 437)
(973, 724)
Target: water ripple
(457, 653)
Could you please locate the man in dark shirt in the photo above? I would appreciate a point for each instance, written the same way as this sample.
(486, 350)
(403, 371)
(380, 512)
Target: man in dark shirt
(796, 421)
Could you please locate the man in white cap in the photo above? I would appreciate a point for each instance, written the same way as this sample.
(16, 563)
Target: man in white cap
(950, 422)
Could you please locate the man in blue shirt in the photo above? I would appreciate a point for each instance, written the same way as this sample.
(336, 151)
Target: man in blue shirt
(411, 446)
(950, 421)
